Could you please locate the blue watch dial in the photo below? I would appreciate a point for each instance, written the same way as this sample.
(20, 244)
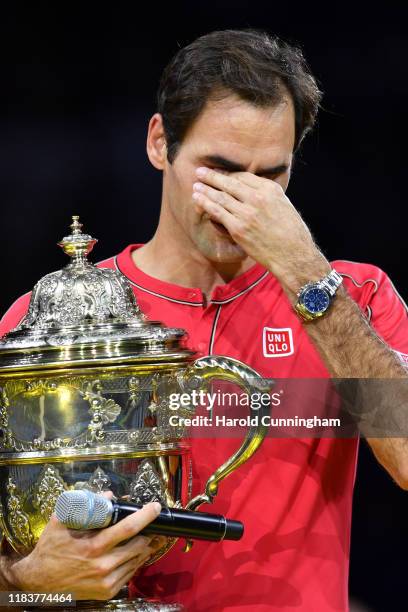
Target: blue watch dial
(315, 300)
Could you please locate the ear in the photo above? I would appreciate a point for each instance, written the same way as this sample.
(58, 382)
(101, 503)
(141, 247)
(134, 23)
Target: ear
(156, 142)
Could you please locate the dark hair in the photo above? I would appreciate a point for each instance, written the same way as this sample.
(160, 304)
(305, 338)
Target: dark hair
(249, 63)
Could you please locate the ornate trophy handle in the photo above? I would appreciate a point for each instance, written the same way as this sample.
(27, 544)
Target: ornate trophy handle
(233, 370)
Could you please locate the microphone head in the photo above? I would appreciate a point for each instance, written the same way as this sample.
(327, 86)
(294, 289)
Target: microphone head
(83, 510)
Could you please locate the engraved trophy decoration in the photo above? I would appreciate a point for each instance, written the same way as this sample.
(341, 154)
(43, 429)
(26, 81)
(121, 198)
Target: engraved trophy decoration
(85, 381)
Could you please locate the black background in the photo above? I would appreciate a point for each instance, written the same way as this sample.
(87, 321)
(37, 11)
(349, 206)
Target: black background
(78, 85)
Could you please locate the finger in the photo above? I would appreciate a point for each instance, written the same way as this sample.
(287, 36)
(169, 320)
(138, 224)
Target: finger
(136, 546)
(108, 494)
(219, 197)
(53, 524)
(158, 542)
(225, 182)
(121, 575)
(127, 576)
(128, 527)
(215, 211)
(131, 565)
(251, 180)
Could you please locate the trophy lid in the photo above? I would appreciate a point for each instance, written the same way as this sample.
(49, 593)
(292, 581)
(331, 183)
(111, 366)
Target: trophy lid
(85, 315)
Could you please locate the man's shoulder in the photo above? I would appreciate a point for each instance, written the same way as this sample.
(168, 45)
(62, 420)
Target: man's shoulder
(362, 280)
(109, 262)
(15, 313)
(370, 286)
(358, 273)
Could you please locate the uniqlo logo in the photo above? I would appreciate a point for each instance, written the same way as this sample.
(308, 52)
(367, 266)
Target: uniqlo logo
(277, 342)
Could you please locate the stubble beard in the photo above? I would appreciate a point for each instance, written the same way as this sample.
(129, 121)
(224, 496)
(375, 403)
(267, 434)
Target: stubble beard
(217, 247)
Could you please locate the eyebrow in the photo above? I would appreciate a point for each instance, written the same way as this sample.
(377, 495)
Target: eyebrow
(231, 166)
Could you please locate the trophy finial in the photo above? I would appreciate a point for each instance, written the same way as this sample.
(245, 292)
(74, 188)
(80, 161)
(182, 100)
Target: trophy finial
(81, 294)
(77, 245)
(75, 225)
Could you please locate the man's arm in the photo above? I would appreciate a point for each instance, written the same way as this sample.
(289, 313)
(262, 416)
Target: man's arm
(350, 348)
(262, 220)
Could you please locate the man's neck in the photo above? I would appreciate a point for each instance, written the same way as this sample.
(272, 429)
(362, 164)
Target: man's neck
(174, 263)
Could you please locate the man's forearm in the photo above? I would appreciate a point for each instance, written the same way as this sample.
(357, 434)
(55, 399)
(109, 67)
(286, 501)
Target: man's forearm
(350, 348)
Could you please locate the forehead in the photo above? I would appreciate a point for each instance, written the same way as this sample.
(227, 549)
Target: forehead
(235, 126)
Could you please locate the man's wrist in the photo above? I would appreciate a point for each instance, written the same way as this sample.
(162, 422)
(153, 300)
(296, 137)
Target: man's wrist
(307, 269)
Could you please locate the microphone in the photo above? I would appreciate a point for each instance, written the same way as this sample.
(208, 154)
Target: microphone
(84, 509)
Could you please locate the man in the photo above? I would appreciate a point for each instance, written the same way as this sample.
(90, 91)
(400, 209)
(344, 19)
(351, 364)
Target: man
(228, 258)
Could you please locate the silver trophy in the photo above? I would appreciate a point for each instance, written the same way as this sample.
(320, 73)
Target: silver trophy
(85, 381)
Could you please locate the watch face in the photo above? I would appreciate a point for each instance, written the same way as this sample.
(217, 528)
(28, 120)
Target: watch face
(316, 300)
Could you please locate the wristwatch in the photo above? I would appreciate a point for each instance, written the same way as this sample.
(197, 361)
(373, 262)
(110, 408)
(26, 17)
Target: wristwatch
(314, 299)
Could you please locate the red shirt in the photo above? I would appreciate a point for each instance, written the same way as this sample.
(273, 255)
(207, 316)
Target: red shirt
(294, 495)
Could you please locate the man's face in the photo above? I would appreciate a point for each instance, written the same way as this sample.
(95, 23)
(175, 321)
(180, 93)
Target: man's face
(229, 135)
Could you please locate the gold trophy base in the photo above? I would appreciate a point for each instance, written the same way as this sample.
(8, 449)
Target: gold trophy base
(122, 605)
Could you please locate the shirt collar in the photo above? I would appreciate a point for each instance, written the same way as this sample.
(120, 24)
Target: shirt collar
(187, 295)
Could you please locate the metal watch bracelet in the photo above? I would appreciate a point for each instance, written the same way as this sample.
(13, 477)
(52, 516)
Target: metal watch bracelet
(331, 282)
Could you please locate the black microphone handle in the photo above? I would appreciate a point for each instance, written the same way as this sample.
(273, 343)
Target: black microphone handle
(179, 523)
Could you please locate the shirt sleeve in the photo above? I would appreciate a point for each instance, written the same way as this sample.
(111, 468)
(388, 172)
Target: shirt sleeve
(388, 316)
(14, 314)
